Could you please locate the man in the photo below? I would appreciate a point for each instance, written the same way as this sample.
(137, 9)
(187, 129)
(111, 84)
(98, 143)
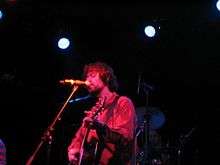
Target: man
(2, 153)
(107, 133)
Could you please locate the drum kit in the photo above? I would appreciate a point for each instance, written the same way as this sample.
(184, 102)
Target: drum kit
(156, 151)
(150, 148)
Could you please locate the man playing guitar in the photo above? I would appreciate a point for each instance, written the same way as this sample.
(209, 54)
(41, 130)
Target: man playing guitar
(107, 132)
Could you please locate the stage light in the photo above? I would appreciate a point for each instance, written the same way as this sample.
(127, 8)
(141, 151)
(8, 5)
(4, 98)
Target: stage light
(63, 43)
(218, 5)
(150, 31)
(1, 14)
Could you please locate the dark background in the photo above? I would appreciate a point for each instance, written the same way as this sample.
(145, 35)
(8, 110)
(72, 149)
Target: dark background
(182, 64)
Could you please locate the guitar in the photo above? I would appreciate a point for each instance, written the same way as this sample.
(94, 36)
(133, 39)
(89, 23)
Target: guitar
(88, 151)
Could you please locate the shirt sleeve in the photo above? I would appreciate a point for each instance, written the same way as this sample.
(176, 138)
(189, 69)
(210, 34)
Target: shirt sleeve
(2, 153)
(123, 122)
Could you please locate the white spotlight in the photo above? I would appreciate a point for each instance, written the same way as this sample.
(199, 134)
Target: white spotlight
(1, 14)
(150, 31)
(63, 43)
(218, 5)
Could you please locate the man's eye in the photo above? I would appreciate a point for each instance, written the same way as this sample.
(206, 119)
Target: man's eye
(91, 75)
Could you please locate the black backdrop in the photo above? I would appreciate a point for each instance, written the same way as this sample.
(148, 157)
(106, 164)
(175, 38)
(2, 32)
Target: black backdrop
(182, 65)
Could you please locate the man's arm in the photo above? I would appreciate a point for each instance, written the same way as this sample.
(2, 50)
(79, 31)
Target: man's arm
(120, 127)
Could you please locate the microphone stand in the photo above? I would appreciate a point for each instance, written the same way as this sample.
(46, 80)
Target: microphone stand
(47, 136)
(147, 89)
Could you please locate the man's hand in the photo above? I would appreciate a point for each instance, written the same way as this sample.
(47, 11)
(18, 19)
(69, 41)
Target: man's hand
(72, 155)
(94, 124)
(87, 121)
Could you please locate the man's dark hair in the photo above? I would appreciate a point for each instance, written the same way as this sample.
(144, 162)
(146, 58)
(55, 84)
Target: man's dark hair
(106, 74)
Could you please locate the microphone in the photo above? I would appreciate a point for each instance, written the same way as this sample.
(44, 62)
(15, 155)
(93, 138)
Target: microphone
(147, 87)
(74, 82)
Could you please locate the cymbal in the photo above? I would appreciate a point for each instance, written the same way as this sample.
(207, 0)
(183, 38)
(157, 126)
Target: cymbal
(157, 117)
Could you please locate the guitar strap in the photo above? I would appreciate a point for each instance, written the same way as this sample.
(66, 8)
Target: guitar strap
(111, 108)
(101, 144)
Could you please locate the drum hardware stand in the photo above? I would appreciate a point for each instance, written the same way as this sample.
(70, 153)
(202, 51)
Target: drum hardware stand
(146, 127)
(47, 136)
(182, 141)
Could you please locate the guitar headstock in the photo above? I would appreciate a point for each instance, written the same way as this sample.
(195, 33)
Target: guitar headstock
(99, 107)
(100, 103)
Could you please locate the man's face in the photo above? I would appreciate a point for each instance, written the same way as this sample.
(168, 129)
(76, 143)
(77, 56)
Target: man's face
(95, 82)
